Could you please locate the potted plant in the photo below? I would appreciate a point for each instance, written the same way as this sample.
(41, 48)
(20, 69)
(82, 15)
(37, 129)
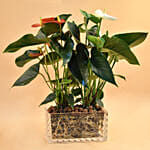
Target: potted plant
(81, 67)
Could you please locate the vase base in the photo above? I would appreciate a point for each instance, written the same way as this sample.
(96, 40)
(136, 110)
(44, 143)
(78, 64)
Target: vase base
(77, 127)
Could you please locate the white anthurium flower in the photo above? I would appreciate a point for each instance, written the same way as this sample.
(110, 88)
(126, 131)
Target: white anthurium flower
(100, 13)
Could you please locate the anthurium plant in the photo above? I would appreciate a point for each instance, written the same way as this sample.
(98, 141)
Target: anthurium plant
(81, 66)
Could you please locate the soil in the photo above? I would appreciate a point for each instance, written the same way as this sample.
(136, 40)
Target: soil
(77, 108)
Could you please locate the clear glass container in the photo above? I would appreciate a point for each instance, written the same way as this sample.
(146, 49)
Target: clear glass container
(77, 126)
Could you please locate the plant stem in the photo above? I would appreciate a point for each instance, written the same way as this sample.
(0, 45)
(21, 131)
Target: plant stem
(85, 23)
(99, 26)
(51, 86)
(48, 76)
(45, 81)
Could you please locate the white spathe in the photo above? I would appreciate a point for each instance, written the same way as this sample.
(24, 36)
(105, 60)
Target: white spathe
(100, 13)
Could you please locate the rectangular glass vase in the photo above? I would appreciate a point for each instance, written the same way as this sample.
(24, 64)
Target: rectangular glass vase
(77, 126)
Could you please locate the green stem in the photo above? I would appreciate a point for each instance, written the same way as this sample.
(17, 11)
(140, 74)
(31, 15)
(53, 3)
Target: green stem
(99, 26)
(49, 78)
(85, 23)
(45, 81)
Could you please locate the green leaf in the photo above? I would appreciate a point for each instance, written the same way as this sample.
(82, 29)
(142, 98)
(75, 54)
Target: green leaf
(78, 64)
(82, 59)
(64, 52)
(90, 17)
(26, 40)
(97, 41)
(51, 97)
(120, 76)
(28, 75)
(74, 68)
(54, 57)
(50, 28)
(121, 48)
(65, 16)
(67, 52)
(25, 58)
(94, 19)
(70, 100)
(41, 35)
(74, 29)
(132, 39)
(101, 67)
(76, 91)
(85, 13)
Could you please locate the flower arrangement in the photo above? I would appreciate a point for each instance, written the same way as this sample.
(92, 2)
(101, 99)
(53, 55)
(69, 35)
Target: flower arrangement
(86, 64)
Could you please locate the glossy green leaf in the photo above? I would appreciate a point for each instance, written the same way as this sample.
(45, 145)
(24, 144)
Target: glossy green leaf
(101, 67)
(90, 17)
(94, 19)
(67, 51)
(26, 40)
(64, 52)
(78, 64)
(74, 68)
(70, 100)
(120, 76)
(65, 16)
(28, 75)
(120, 47)
(25, 58)
(82, 60)
(41, 35)
(51, 59)
(51, 97)
(85, 13)
(132, 39)
(50, 28)
(97, 41)
(74, 29)
(66, 35)
(60, 36)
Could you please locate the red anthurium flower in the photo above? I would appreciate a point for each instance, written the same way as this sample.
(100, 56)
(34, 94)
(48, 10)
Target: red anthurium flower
(49, 20)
